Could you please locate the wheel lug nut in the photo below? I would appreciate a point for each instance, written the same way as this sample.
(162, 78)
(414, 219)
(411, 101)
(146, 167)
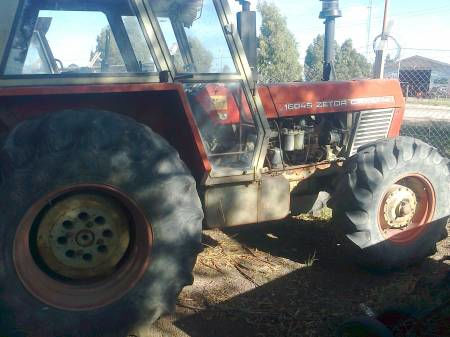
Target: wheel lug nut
(102, 249)
(68, 224)
(70, 253)
(100, 220)
(62, 240)
(83, 216)
(107, 233)
(87, 257)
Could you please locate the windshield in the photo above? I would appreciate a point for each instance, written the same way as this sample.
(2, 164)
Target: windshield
(194, 36)
(197, 44)
(55, 37)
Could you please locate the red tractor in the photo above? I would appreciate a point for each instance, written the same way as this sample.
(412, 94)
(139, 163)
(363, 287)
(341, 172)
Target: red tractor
(127, 125)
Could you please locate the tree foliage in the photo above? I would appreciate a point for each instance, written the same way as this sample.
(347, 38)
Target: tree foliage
(203, 58)
(110, 55)
(278, 57)
(314, 59)
(349, 64)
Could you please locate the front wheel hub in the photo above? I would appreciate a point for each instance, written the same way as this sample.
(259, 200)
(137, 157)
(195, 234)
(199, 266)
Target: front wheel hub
(407, 206)
(399, 206)
(82, 247)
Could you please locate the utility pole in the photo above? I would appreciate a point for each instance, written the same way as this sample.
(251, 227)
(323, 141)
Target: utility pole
(330, 11)
(378, 68)
(369, 27)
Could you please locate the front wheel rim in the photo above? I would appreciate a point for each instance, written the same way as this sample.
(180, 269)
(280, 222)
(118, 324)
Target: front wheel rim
(406, 208)
(82, 266)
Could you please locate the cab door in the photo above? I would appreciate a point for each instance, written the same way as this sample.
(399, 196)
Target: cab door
(202, 51)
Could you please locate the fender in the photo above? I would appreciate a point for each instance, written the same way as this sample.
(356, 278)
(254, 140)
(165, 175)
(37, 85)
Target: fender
(161, 106)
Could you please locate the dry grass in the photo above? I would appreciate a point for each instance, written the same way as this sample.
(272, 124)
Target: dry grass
(292, 279)
(444, 102)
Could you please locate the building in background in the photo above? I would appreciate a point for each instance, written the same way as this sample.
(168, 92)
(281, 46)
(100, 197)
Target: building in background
(421, 76)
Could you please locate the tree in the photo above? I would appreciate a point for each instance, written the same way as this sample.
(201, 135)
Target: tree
(349, 64)
(314, 59)
(278, 57)
(137, 41)
(202, 57)
(109, 52)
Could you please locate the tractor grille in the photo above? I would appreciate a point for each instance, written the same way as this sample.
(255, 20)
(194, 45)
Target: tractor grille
(371, 126)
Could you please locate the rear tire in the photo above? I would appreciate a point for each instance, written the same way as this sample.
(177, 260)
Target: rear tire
(73, 148)
(393, 201)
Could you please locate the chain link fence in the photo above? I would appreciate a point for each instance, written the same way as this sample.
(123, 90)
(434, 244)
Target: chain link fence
(432, 132)
(426, 87)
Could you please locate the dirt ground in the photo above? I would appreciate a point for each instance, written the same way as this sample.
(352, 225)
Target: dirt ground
(294, 279)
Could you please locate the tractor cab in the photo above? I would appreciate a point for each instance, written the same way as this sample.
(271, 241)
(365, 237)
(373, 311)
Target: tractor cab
(127, 125)
(203, 54)
(188, 41)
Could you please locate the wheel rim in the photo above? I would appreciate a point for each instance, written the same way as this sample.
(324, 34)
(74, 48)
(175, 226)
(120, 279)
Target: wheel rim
(82, 247)
(406, 208)
(83, 236)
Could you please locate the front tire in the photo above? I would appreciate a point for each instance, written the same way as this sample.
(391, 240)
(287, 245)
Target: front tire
(100, 226)
(392, 202)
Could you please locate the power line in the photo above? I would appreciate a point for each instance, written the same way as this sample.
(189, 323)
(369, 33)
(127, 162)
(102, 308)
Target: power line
(428, 49)
(402, 16)
(406, 48)
(405, 15)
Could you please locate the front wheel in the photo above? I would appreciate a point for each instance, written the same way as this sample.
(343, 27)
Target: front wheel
(393, 202)
(100, 226)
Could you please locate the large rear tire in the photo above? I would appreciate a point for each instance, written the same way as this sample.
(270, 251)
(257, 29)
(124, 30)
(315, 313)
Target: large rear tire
(393, 201)
(100, 226)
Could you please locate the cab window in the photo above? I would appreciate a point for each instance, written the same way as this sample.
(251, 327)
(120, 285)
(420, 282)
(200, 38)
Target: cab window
(194, 36)
(55, 37)
(226, 125)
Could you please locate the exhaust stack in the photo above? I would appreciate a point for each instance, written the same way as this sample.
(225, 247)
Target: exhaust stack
(330, 11)
(246, 22)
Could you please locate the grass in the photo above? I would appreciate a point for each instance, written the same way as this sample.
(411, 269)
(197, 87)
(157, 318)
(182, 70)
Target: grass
(427, 101)
(294, 279)
(310, 260)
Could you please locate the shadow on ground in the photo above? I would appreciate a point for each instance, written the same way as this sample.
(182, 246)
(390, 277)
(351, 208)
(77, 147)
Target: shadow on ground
(315, 298)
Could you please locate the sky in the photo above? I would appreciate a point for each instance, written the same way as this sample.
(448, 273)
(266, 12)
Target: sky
(421, 27)
(73, 35)
(70, 41)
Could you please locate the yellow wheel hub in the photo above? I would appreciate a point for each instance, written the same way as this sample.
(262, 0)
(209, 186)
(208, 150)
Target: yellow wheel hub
(400, 206)
(83, 236)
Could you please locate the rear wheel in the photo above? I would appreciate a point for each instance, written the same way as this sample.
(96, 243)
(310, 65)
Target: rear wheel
(100, 226)
(393, 202)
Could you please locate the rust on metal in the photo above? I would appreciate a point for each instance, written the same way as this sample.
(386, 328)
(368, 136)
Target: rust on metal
(406, 208)
(296, 175)
(83, 236)
(68, 219)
